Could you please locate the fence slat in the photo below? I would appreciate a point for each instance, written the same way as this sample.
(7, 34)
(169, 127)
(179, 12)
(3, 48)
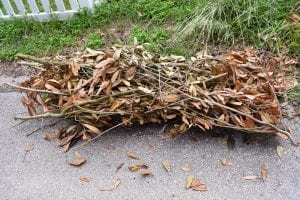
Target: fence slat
(60, 5)
(85, 3)
(33, 7)
(46, 6)
(74, 4)
(8, 7)
(20, 6)
(1, 13)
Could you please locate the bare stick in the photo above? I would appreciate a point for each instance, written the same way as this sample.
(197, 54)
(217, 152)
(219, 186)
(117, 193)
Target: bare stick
(107, 130)
(35, 90)
(45, 115)
(40, 60)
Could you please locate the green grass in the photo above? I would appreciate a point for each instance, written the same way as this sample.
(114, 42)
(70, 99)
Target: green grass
(230, 22)
(25, 36)
(199, 22)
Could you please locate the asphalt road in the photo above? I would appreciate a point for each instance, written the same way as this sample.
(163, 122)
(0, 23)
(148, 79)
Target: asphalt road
(43, 173)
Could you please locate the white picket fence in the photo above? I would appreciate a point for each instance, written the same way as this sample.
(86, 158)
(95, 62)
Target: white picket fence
(44, 11)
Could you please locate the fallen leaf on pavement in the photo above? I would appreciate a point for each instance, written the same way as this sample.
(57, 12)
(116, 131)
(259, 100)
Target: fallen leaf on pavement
(145, 173)
(110, 188)
(226, 162)
(29, 148)
(280, 150)
(250, 177)
(189, 181)
(120, 166)
(117, 183)
(200, 187)
(77, 161)
(186, 169)
(132, 155)
(86, 179)
(263, 172)
(106, 189)
(195, 182)
(167, 165)
(48, 137)
(137, 167)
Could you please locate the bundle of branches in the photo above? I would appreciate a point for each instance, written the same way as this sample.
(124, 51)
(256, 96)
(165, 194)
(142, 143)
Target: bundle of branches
(128, 85)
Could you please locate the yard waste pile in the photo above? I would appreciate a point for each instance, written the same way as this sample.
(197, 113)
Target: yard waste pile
(126, 85)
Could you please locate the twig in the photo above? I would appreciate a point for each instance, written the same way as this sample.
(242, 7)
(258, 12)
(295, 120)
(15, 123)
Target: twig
(107, 130)
(45, 115)
(33, 65)
(36, 90)
(17, 124)
(40, 60)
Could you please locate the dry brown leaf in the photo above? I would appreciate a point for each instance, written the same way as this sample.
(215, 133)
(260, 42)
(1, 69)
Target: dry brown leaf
(104, 63)
(189, 181)
(195, 182)
(263, 172)
(117, 183)
(137, 167)
(250, 177)
(170, 98)
(29, 148)
(77, 161)
(167, 165)
(51, 88)
(110, 188)
(130, 73)
(119, 167)
(226, 162)
(186, 169)
(86, 179)
(106, 189)
(145, 173)
(48, 137)
(132, 155)
(200, 187)
(92, 129)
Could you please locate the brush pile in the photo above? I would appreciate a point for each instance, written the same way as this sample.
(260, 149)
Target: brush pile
(127, 85)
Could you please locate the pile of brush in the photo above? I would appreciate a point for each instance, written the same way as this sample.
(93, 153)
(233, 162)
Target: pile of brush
(126, 85)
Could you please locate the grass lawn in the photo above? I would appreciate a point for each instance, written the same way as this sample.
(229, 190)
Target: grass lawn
(169, 26)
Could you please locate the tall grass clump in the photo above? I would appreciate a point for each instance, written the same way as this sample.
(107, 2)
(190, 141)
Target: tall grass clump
(259, 22)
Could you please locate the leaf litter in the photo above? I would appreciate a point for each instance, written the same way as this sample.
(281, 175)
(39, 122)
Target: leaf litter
(280, 150)
(86, 179)
(137, 167)
(132, 155)
(166, 165)
(115, 185)
(78, 159)
(195, 184)
(128, 85)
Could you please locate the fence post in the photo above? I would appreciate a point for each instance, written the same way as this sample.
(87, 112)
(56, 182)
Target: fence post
(86, 3)
(8, 7)
(20, 6)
